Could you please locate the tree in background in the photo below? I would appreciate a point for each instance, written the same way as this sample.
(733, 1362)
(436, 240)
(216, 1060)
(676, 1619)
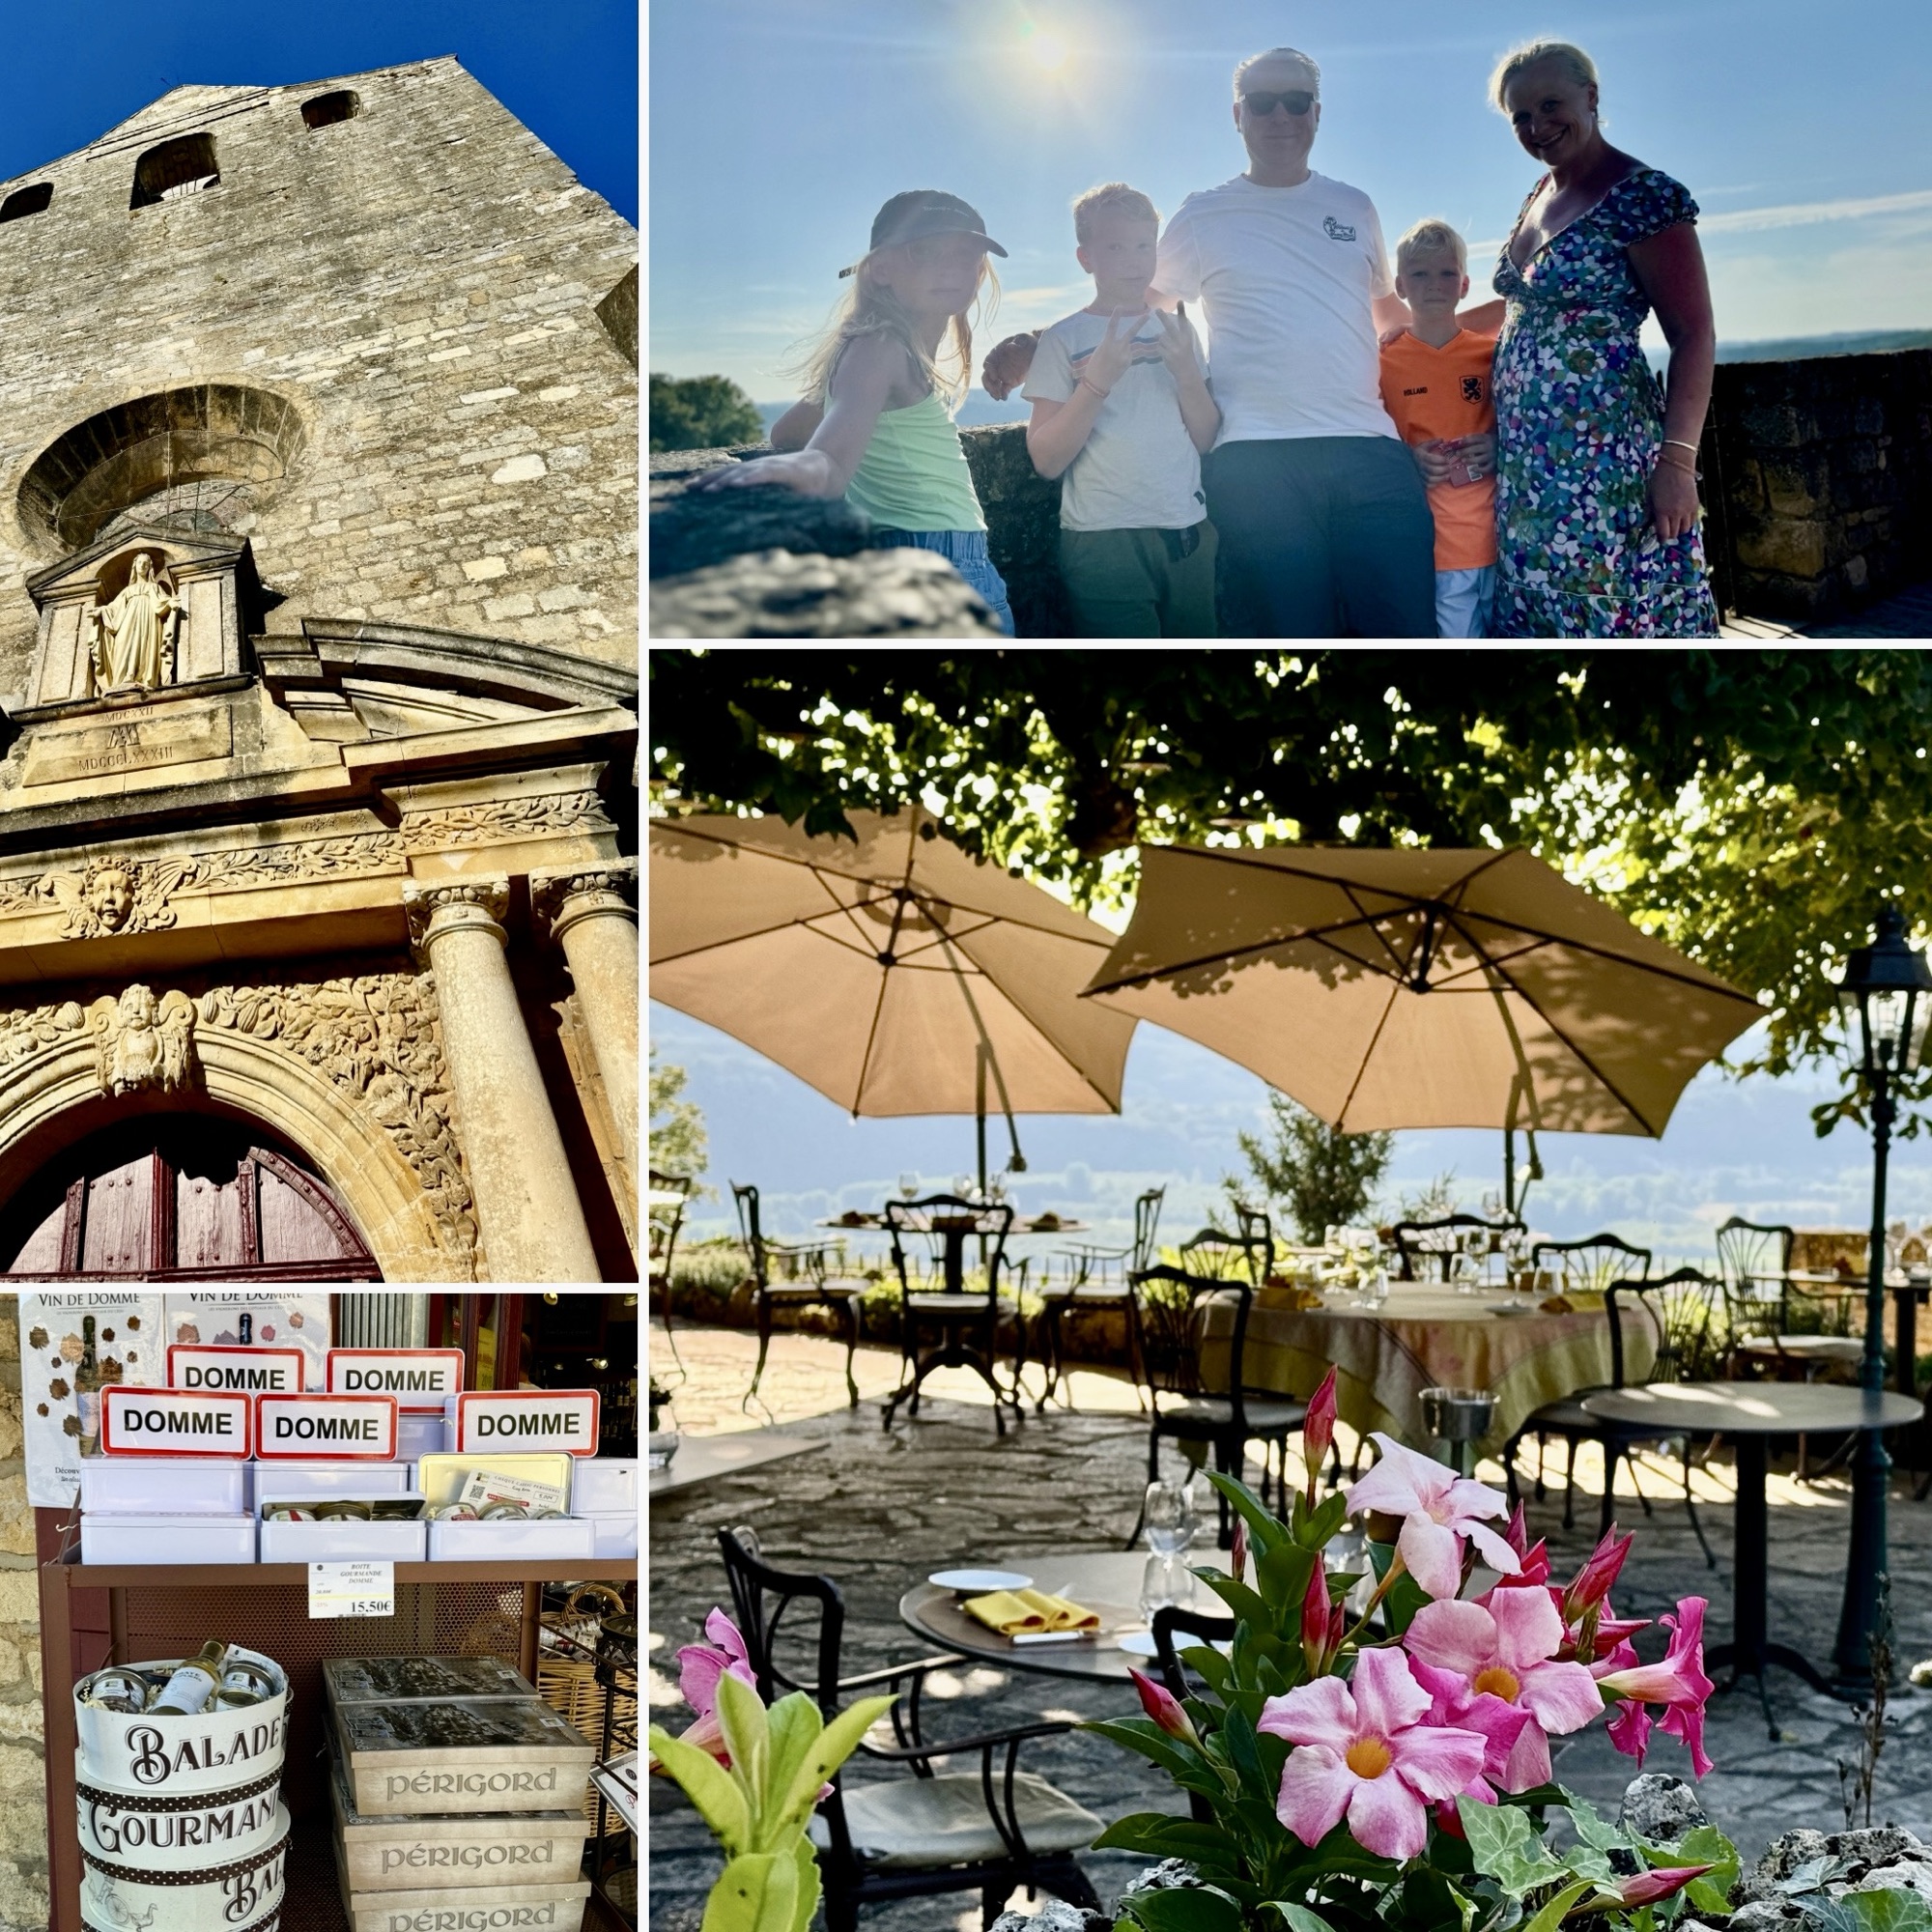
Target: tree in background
(1326, 1178)
(677, 1126)
(701, 412)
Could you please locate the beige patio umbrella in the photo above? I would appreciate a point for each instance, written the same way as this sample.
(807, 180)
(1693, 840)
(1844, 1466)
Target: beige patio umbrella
(1420, 987)
(898, 974)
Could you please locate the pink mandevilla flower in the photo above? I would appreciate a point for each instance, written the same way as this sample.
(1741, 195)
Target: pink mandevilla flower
(1365, 1752)
(1532, 1561)
(699, 1667)
(1490, 1667)
(1441, 1509)
(1678, 1684)
(1164, 1708)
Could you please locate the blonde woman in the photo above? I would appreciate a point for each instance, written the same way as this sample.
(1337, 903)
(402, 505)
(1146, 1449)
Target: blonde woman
(876, 424)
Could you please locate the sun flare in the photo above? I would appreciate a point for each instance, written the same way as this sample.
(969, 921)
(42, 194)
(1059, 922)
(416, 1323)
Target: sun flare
(1049, 52)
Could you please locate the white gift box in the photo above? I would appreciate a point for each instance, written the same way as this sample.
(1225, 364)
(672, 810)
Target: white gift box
(183, 1758)
(604, 1485)
(419, 1435)
(176, 1486)
(303, 1481)
(342, 1542)
(167, 1539)
(511, 1539)
(612, 1532)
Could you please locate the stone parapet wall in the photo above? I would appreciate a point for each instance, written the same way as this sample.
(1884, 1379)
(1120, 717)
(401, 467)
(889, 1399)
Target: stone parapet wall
(23, 1828)
(1819, 478)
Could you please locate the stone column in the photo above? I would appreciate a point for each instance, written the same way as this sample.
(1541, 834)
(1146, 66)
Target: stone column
(527, 1205)
(593, 916)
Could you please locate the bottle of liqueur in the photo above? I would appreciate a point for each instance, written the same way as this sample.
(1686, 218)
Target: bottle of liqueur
(246, 1329)
(190, 1688)
(87, 1388)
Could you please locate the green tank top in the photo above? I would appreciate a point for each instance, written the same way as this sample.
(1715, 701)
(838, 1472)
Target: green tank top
(913, 475)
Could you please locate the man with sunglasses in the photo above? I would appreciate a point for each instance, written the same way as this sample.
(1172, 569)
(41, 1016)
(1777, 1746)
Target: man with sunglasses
(1322, 512)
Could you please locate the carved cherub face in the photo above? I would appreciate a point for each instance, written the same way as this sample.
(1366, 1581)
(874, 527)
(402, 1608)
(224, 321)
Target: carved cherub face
(111, 895)
(137, 1010)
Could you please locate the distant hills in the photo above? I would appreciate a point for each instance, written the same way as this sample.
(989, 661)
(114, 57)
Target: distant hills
(979, 407)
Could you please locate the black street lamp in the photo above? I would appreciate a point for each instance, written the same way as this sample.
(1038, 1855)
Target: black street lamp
(1887, 995)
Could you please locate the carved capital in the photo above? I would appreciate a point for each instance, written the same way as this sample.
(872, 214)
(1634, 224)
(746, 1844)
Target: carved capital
(606, 888)
(477, 905)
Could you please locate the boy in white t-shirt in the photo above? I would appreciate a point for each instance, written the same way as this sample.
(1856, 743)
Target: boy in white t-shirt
(1121, 412)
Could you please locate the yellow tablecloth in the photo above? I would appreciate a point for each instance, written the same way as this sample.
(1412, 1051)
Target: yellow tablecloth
(1424, 1336)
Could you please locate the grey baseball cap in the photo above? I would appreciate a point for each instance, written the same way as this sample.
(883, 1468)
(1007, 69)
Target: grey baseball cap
(926, 211)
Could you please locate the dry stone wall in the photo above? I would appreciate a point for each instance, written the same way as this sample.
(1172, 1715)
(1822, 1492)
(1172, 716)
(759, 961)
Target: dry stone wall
(419, 285)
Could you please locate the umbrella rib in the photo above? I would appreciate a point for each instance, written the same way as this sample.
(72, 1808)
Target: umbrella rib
(1369, 1052)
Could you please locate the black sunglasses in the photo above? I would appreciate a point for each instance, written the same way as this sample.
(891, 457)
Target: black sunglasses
(1298, 101)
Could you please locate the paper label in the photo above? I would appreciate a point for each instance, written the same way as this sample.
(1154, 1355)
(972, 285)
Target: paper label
(522, 1419)
(129, 1347)
(253, 1371)
(419, 1378)
(365, 1588)
(213, 1317)
(174, 1422)
(485, 1486)
(330, 1428)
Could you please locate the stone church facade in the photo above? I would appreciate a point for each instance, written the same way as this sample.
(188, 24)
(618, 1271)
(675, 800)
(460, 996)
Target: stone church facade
(318, 666)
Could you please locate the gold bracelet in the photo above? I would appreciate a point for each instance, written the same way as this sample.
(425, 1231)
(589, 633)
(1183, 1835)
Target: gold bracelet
(1678, 442)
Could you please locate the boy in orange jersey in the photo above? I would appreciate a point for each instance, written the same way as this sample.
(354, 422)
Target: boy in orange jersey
(1435, 387)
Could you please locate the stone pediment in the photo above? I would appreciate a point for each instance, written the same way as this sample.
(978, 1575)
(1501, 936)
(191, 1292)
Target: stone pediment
(84, 566)
(346, 681)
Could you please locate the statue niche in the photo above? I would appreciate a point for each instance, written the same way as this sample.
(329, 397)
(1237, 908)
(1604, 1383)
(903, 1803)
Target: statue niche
(132, 636)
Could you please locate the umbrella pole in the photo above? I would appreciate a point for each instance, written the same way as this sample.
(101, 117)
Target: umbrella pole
(980, 1110)
(1509, 1171)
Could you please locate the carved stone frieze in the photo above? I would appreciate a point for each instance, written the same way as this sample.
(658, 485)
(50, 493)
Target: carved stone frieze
(141, 1041)
(503, 818)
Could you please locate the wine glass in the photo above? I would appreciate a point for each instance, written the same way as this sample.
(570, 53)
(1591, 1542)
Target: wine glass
(909, 1186)
(1171, 1517)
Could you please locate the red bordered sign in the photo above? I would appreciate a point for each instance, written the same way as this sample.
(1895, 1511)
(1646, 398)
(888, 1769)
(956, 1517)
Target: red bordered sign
(200, 1365)
(524, 1421)
(419, 1378)
(326, 1427)
(176, 1422)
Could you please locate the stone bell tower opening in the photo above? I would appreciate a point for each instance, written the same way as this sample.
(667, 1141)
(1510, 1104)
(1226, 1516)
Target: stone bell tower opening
(180, 1197)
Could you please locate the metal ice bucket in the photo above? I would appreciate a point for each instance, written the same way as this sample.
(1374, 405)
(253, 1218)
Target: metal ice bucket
(1459, 1418)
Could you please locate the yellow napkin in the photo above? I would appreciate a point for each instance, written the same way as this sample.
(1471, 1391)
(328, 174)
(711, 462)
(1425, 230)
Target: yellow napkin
(1013, 1611)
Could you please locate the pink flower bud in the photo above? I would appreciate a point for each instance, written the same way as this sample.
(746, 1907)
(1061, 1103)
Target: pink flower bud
(1648, 1886)
(1164, 1709)
(1237, 1559)
(1317, 1428)
(1320, 1622)
(1594, 1581)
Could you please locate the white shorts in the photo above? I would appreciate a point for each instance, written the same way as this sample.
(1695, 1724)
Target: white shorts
(1463, 601)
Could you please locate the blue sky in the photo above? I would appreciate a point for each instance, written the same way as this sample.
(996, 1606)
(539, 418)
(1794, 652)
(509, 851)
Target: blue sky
(567, 69)
(778, 127)
(1732, 1147)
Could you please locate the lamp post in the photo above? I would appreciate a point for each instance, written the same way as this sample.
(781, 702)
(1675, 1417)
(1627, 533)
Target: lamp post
(1886, 996)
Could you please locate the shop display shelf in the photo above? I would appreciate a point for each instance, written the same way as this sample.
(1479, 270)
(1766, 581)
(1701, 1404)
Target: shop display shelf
(93, 1614)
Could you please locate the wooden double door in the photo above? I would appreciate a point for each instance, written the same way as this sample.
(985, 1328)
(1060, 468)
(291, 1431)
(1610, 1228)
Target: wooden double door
(180, 1197)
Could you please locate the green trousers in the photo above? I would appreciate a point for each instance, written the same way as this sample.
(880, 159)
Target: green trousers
(1135, 583)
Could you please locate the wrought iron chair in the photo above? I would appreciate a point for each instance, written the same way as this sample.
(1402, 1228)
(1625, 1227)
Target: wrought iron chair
(1426, 1250)
(1169, 1622)
(1588, 1266)
(965, 1322)
(1169, 1309)
(1214, 1251)
(665, 1222)
(932, 1833)
(1097, 1278)
(1678, 1307)
(789, 1274)
(1754, 1262)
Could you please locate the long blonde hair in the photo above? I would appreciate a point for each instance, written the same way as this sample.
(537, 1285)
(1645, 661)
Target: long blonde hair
(871, 308)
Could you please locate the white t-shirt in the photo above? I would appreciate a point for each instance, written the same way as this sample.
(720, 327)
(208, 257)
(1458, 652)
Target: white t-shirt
(1286, 275)
(1138, 469)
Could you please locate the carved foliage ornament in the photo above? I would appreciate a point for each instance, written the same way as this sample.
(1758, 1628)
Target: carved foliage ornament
(376, 1037)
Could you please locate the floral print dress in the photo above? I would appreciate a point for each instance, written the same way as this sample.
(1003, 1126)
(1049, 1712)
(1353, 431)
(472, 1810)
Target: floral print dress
(1579, 421)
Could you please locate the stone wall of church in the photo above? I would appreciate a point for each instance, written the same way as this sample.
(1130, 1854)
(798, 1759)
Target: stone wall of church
(398, 309)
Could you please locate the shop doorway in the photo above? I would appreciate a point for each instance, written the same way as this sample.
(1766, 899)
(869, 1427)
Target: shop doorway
(180, 1198)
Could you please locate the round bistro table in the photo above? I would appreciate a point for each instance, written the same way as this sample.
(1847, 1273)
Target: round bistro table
(1107, 1581)
(1750, 1414)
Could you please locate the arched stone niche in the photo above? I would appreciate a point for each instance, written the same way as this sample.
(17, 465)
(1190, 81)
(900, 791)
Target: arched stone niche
(232, 444)
(297, 1058)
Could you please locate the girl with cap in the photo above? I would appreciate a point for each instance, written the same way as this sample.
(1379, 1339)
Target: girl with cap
(876, 422)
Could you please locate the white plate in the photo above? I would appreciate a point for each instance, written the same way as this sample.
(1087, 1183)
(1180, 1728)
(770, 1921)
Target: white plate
(975, 1582)
(1140, 1643)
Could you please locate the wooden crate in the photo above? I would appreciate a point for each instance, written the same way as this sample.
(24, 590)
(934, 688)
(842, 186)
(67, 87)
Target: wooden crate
(460, 1754)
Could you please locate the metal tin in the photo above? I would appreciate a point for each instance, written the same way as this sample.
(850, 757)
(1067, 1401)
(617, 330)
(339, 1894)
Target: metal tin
(539, 1514)
(340, 1509)
(161, 1833)
(395, 1509)
(116, 1688)
(521, 1512)
(238, 1891)
(291, 1513)
(452, 1513)
(175, 1757)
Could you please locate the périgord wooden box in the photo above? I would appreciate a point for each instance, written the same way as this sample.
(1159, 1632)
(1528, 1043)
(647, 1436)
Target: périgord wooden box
(463, 1754)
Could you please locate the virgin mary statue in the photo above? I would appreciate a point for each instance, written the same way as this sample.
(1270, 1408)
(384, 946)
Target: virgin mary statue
(133, 643)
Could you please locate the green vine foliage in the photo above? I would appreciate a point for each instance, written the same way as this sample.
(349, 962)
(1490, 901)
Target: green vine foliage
(1752, 808)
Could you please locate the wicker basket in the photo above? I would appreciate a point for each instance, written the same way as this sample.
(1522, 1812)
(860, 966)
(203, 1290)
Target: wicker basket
(567, 1673)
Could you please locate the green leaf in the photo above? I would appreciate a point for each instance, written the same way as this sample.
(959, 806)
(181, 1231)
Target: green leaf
(757, 1891)
(1503, 1844)
(1160, 1835)
(1269, 1530)
(1551, 1915)
(834, 1744)
(795, 1726)
(720, 1800)
(1870, 1912)
(1282, 1576)
(1705, 1844)
(741, 1716)
(1187, 1908)
(808, 1887)
(1299, 1917)
(1315, 1529)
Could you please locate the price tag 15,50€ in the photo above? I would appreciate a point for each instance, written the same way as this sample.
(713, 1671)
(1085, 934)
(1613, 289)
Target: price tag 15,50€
(361, 1589)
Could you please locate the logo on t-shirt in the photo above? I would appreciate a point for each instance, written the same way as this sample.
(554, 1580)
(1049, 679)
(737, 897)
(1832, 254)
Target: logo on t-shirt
(1472, 388)
(1337, 231)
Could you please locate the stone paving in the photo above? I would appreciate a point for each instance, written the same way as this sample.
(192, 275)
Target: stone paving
(879, 1511)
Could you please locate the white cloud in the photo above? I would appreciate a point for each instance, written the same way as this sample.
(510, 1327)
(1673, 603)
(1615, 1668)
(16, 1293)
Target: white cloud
(1802, 213)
